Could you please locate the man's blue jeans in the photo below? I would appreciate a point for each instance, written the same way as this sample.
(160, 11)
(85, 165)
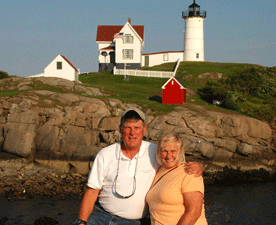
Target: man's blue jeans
(101, 217)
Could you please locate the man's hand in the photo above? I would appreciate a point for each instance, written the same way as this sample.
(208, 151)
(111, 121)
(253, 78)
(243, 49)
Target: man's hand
(195, 168)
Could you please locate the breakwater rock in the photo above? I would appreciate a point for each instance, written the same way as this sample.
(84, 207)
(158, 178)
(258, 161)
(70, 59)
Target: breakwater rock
(64, 130)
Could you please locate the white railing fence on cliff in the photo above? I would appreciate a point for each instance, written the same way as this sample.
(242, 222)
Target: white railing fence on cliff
(146, 73)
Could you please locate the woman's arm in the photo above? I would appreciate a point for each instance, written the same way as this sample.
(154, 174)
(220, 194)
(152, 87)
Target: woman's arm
(193, 205)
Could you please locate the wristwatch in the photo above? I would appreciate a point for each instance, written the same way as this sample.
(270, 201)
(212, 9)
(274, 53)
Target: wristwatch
(78, 221)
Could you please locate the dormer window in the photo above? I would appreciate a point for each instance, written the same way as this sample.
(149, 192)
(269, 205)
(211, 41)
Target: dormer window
(128, 39)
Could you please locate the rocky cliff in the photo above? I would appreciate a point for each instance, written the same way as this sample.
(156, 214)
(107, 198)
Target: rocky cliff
(64, 130)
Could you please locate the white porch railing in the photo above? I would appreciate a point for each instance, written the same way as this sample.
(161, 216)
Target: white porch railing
(146, 73)
(142, 73)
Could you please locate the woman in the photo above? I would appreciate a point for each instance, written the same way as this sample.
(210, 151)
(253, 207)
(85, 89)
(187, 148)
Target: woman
(175, 197)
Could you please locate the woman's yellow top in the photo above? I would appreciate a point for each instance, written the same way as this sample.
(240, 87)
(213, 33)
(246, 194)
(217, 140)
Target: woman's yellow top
(165, 198)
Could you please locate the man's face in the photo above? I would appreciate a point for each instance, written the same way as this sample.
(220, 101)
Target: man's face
(132, 134)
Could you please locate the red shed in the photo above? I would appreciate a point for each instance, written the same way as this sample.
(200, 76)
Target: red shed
(174, 92)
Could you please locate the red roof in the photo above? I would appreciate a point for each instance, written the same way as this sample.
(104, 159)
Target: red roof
(177, 80)
(69, 62)
(106, 32)
(107, 48)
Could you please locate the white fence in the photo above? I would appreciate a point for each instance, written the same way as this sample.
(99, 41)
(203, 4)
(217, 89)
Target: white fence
(146, 73)
(142, 73)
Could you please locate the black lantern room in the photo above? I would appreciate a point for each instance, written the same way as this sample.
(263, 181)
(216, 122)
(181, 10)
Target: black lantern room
(194, 11)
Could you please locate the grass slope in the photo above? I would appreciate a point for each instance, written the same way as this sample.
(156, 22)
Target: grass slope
(139, 90)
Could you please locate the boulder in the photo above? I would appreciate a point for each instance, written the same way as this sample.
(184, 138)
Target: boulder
(47, 139)
(228, 144)
(19, 139)
(110, 123)
(200, 124)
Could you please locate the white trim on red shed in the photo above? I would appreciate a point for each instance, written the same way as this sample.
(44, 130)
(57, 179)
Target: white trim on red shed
(180, 84)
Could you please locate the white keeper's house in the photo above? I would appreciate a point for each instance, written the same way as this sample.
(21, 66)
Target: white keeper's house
(122, 47)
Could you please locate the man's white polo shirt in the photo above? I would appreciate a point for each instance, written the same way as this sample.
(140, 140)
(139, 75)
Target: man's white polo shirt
(105, 169)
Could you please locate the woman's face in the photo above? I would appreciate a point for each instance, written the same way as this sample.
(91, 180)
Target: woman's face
(169, 155)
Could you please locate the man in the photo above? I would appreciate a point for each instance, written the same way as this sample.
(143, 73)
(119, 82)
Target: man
(121, 176)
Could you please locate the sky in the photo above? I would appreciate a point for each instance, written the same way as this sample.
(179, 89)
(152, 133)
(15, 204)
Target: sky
(34, 32)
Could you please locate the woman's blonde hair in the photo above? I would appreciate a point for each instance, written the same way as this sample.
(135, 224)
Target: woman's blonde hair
(170, 138)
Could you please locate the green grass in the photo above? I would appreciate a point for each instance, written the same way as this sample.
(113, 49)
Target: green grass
(189, 71)
(10, 93)
(139, 89)
(136, 90)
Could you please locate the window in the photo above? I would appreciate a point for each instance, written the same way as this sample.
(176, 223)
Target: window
(197, 55)
(128, 39)
(165, 57)
(59, 65)
(127, 53)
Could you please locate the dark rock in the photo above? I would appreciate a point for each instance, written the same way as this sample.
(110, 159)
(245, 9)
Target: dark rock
(3, 220)
(45, 221)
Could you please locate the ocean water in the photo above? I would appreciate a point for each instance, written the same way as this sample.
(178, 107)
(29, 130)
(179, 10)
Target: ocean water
(239, 204)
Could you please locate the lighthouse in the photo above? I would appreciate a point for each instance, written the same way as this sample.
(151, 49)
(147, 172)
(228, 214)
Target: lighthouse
(194, 33)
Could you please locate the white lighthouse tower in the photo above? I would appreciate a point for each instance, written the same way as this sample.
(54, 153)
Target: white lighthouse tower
(194, 34)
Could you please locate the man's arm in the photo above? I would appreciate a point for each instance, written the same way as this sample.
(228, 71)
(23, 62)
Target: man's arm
(195, 168)
(88, 202)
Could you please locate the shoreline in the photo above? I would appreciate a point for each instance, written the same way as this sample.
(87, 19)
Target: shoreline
(45, 182)
(19, 185)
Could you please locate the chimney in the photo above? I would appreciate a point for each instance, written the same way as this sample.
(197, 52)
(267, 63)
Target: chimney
(129, 20)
